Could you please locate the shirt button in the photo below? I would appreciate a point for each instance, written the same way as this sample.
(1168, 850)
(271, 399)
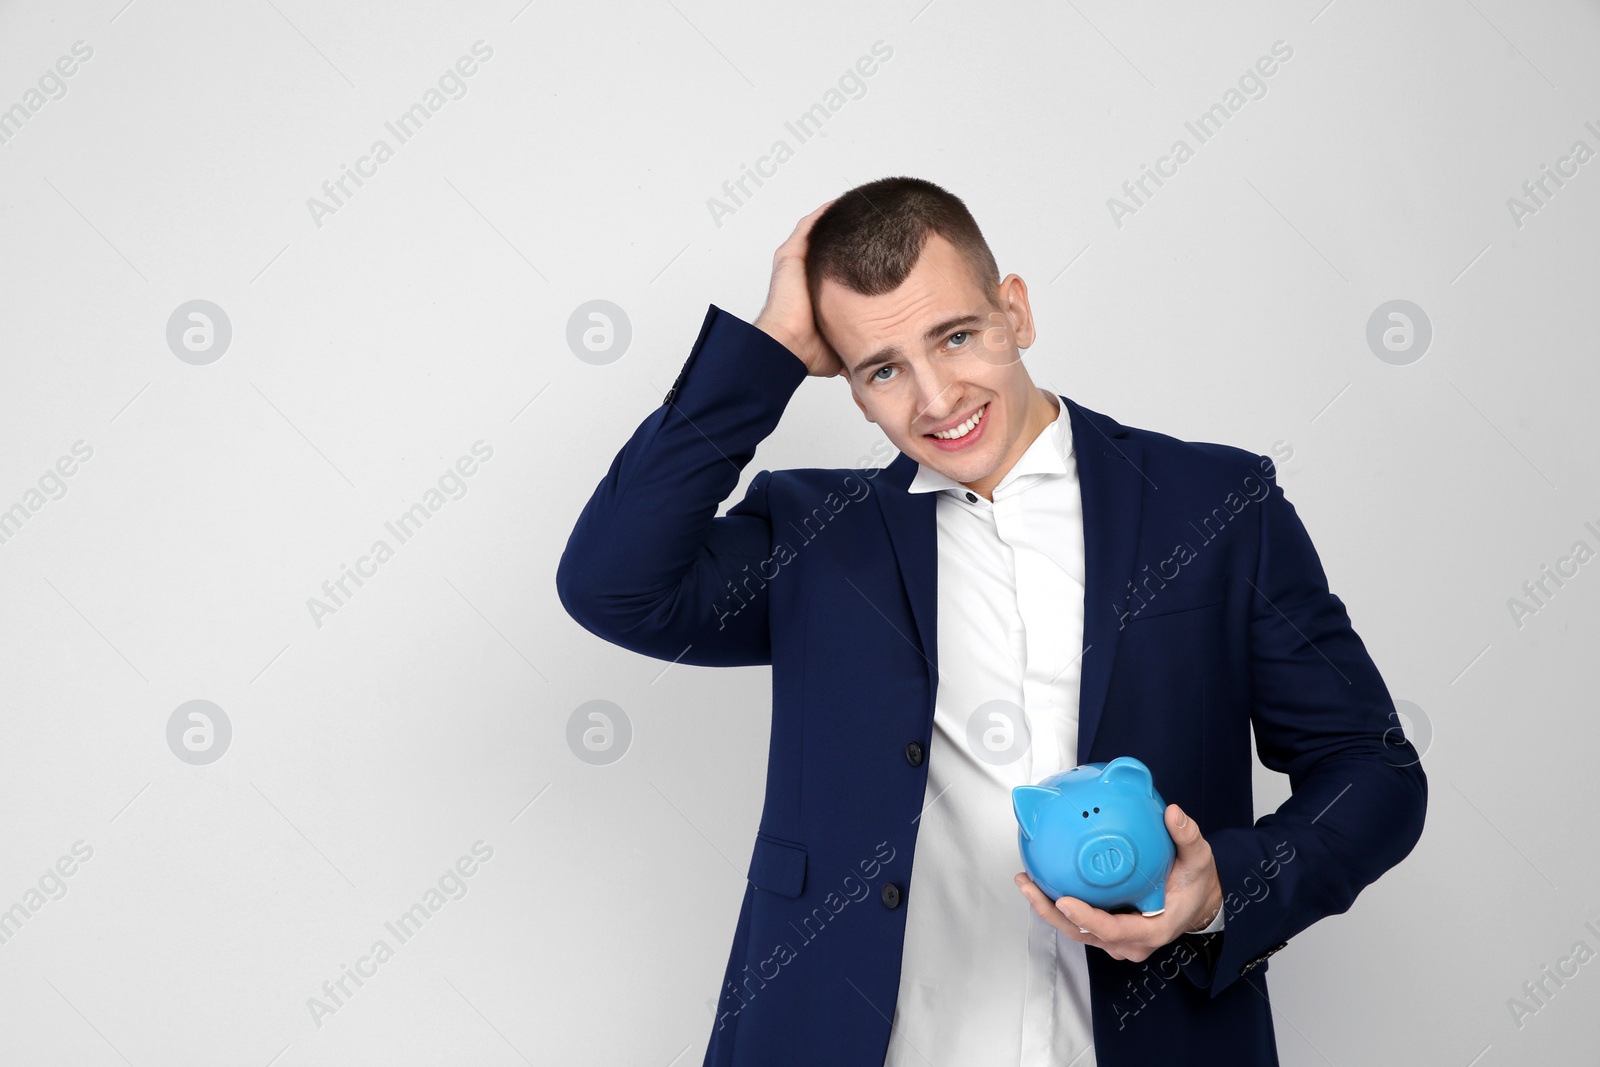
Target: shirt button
(914, 753)
(891, 895)
(972, 498)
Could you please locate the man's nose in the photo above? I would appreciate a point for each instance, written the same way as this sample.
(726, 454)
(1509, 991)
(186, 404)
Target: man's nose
(938, 394)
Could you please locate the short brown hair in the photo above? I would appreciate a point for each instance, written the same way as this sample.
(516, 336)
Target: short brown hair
(871, 237)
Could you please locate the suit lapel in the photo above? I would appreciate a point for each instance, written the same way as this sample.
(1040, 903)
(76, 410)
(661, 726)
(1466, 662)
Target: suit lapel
(914, 535)
(1110, 482)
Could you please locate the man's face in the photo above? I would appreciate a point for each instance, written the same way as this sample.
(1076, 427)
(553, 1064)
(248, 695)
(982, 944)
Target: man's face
(933, 353)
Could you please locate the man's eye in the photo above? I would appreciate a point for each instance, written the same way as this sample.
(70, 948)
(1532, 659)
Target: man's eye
(962, 334)
(879, 371)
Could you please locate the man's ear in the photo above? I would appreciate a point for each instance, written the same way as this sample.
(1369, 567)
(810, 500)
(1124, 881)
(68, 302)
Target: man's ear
(1014, 302)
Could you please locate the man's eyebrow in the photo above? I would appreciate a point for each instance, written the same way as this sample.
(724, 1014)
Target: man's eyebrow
(933, 333)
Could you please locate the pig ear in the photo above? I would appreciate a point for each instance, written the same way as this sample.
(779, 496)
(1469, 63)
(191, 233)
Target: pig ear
(1131, 771)
(1028, 802)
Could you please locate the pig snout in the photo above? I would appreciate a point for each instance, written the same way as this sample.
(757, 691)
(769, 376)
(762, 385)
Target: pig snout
(1106, 859)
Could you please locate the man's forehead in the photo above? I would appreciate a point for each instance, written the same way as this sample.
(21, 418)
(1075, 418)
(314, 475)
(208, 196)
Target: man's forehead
(872, 341)
(906, 308)
(909, 307)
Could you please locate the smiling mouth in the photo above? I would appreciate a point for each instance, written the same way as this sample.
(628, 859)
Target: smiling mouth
(956, 433)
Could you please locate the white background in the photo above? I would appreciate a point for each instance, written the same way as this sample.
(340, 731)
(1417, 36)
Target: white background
(429, 312)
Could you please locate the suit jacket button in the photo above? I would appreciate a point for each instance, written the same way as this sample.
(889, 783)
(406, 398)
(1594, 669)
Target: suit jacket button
(914, 753)
(891, 895)
(668, 398)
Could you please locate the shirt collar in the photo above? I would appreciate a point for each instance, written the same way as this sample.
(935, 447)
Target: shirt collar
(1048, 454)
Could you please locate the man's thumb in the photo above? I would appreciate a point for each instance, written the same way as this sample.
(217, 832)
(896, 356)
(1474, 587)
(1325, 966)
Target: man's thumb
(1182, 828)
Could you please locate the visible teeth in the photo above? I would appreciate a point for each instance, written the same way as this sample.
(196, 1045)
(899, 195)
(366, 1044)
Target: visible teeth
(965, 428)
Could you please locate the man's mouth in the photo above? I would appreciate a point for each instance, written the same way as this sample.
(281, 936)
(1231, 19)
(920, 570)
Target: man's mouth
(963, 434)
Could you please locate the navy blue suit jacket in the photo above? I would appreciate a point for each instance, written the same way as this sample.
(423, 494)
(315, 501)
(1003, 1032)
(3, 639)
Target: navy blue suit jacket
(1206, 615)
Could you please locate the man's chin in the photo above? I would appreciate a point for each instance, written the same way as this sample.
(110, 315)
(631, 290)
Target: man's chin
(964, 471)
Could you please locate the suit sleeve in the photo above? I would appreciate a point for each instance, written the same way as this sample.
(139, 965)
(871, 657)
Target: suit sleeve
(649, 566)
(1321, 715)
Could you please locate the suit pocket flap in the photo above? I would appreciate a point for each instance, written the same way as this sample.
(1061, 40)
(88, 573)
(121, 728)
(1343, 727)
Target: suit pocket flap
(1181, 594)
(778, 866)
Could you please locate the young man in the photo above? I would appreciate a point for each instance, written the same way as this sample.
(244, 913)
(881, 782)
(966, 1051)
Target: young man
(1034, 586)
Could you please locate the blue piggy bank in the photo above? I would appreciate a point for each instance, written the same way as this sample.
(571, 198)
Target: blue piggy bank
(1097, 832)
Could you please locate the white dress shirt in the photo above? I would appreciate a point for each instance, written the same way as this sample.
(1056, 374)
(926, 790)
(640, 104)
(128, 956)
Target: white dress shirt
(983, 979)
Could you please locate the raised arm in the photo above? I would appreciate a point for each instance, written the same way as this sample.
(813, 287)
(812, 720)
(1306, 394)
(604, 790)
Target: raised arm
(649, 566)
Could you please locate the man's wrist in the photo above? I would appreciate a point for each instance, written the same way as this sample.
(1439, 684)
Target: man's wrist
(1211, 924)
(773, 331)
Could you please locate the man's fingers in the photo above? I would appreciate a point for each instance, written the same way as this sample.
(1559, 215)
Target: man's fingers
(820, 209)
(802, 229)
(798, 244)
(1049, 911)
(1119, 936)
(1076, 912)
(1064, 911)
(1099, 924)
